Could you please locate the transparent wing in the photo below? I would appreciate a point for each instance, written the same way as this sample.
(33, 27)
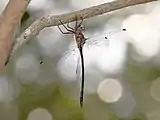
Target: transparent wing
(78, 69)
(102, 38)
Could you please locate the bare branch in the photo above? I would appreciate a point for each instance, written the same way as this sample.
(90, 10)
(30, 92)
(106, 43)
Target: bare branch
(9, 19)
(51, 20)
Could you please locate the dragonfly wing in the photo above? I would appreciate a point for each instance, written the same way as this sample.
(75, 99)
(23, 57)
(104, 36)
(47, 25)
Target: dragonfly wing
(78, 69)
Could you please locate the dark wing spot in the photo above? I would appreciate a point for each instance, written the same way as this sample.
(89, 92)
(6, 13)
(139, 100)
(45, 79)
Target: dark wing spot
(123, 29)
(105, 37)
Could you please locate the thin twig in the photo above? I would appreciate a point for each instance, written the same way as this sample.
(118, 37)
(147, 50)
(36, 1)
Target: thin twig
(53, 20)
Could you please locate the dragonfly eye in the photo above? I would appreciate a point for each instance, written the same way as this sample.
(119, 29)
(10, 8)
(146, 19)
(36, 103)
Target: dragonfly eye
(82, 27)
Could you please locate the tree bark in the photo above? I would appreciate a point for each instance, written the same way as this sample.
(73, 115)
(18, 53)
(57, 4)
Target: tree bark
(9, 20)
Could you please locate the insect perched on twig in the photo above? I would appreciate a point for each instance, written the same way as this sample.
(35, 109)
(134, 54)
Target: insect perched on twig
(80, 40)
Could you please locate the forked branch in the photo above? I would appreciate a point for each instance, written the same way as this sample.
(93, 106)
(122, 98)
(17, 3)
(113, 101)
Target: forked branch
(53, 20)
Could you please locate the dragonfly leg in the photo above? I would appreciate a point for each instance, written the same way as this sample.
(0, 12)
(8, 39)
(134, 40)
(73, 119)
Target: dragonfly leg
(70, 26)
(72, 31)
(64, 32)
(76, 25)
(81, 21)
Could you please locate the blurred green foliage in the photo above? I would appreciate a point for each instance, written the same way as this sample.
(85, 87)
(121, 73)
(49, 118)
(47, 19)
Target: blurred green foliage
(48, 97)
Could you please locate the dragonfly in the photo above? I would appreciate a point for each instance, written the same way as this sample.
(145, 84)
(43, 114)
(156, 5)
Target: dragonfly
(80, 41)
(89, 45)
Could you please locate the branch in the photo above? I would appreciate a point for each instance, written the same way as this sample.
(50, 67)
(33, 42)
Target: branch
(53, 20)
(9, 20)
